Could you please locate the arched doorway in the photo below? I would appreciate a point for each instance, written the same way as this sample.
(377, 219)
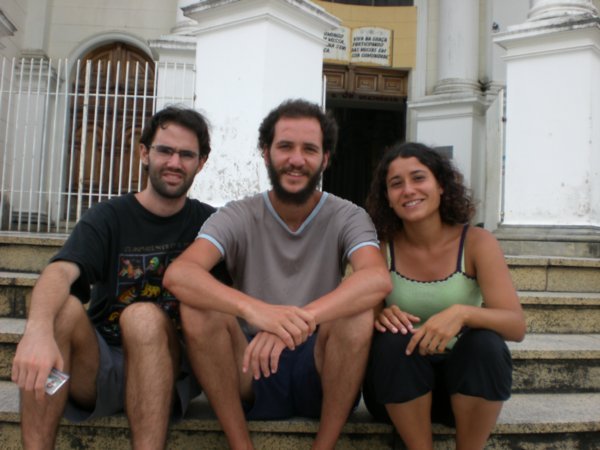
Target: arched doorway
(113, 96)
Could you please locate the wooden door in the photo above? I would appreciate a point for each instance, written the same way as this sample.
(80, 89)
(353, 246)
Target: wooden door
(113, 97)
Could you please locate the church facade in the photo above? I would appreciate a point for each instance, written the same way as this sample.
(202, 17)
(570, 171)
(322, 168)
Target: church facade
(509, 89)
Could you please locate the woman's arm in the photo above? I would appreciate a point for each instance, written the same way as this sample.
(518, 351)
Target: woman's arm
(502, 310)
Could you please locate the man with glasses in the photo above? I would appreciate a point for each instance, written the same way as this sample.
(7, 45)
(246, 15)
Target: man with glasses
(124, 351)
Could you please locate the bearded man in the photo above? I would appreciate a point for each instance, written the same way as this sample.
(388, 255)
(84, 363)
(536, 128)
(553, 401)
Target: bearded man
(291, 336)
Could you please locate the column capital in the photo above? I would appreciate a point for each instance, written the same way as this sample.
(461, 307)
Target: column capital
(183, 25)
(301, 15)
(458, 47)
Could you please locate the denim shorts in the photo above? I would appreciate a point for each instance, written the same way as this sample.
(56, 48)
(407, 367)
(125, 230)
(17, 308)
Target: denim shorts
(110, 386)
(295, 390)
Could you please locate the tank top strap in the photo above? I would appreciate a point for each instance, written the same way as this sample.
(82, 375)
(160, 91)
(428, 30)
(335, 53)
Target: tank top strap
(460, 261)
(390, 252)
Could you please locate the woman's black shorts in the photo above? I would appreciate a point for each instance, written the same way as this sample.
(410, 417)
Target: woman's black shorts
(478, 365)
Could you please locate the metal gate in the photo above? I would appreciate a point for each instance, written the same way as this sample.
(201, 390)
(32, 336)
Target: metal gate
(69, 134)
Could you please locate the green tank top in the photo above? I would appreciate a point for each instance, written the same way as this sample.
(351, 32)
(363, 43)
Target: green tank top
(426, 298)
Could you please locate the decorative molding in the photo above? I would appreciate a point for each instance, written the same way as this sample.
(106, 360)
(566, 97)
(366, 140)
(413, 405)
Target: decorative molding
(7, 28)
(302, 16)
(174, 42)
(366, 80)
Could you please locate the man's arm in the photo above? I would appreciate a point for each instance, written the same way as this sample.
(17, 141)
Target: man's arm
(363, 289)
(37, 352)
(188, 277)
(368, 285)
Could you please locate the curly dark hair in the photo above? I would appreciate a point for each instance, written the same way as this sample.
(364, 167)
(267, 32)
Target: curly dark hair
(456, 203)
(185, 117)
(299, 108)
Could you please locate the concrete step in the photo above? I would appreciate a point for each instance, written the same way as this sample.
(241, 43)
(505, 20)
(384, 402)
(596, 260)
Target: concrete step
(575, 241)
(28, 253)
(527, 421)
(561, 312)
(15, 293)
(542, 362)
(556, 363)
(555, 274)
(546, 312)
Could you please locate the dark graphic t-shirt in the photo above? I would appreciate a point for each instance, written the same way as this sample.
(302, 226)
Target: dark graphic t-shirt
(123, 251)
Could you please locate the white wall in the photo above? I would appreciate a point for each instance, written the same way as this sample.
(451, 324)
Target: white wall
(504, 13)
(15, 11)
(75, 21)
(595, 141)
(552, 138)
(280, 49)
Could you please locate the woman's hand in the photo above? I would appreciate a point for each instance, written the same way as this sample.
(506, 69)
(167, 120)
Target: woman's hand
(395, 320)
(433, 336)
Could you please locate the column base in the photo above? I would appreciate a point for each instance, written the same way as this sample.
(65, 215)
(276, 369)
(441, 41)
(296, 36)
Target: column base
(574, 241)
(457, 85)
(554, 9)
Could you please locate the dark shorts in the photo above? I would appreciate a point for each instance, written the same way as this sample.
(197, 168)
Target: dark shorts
(478, 365)
(295, 390)
(110, 386)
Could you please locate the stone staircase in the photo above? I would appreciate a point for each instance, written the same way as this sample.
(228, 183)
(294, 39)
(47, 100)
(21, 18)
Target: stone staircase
(555, 405)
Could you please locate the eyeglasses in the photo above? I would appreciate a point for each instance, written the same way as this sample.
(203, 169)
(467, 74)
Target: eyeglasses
(164, 151)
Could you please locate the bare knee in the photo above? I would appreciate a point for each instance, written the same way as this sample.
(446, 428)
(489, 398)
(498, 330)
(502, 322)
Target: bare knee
(198, 323)
(145, 323)
(354, 332)
(70, 320)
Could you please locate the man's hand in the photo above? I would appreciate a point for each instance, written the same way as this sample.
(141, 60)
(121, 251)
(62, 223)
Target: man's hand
(36, 355)
(395, 320)
(293, 325)
(434, 335)
(262, 354)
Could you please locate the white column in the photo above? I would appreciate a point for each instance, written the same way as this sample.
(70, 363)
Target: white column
(548, 9)
(453, 115)
(250, 56)
(553, 117)
(176, 55)
(35, 34)
(458, 46)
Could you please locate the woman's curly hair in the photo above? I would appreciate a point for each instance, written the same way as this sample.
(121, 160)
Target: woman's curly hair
(456, 203)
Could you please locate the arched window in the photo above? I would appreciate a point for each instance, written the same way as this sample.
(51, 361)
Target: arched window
(113, 96)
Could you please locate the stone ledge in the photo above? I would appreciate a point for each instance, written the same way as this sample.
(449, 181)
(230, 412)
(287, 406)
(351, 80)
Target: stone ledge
(42, 239)
(551, 261)
(551, 299)
(557, 346)
(18, 278)
(522, 413)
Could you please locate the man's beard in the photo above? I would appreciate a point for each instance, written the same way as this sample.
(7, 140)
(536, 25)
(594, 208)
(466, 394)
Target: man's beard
(164, 190)
(294, 198)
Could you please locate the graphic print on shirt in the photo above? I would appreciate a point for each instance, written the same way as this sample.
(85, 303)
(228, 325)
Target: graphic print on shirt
(139, 279)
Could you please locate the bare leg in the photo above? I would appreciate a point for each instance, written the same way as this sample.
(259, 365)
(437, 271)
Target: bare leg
(341, 354)
(412, 420)
(475, 419)
(77, 342)
(151, 353)
(216, 345)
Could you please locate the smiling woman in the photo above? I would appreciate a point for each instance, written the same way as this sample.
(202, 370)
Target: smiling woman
(437, 355)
